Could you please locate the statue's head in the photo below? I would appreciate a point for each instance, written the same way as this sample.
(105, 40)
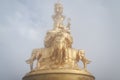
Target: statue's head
(82, 52)
(58, 8)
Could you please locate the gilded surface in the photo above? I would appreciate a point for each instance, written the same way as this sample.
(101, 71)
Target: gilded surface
(58, 54)
(58, 60)
(59, 76)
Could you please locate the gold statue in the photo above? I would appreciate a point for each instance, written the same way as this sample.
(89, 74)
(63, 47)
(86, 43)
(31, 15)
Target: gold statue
(58, 55)
(58, 52)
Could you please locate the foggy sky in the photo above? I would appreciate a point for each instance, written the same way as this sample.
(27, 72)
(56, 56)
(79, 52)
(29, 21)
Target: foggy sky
(95, 27)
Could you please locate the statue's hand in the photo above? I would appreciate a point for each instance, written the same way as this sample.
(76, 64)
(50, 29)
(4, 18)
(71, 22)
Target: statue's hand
(29, 61)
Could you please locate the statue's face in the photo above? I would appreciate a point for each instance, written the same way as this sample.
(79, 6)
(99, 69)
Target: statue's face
(58, 9)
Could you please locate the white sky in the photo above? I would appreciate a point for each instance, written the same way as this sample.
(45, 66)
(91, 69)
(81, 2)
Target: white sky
(95, 26)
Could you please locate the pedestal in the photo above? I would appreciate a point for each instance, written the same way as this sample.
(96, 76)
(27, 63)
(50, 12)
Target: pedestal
(59, 75)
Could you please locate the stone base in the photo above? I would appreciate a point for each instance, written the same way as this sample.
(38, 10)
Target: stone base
(59, 75)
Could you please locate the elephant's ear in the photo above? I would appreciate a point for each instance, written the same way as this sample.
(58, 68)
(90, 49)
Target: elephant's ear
(34, 50)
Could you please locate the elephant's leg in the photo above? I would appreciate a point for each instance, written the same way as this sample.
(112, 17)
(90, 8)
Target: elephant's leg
(84, 65)
(31, 66)
(38, 65)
